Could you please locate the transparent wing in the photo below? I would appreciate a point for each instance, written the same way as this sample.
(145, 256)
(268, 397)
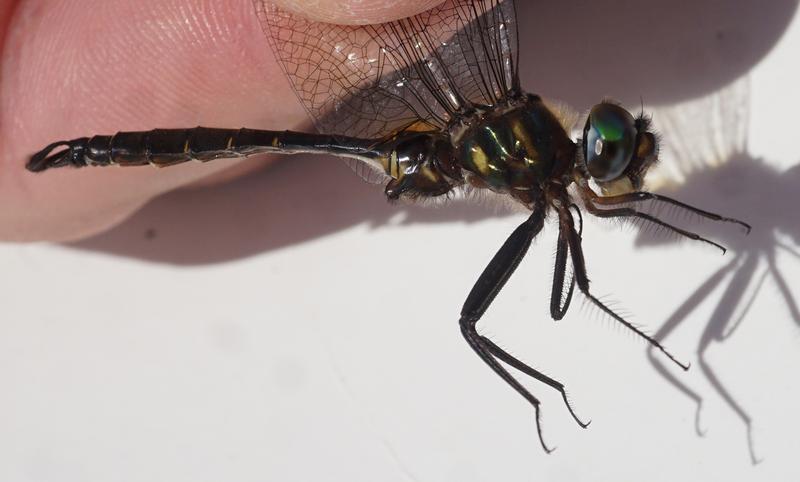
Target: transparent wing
(701, 134)
(704, 161)
(417, 73)
(367, 172)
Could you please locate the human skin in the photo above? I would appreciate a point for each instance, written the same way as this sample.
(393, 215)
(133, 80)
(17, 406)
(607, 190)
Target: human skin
(74, 68)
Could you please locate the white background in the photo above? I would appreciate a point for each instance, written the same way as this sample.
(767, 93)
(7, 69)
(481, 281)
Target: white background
(293, 326)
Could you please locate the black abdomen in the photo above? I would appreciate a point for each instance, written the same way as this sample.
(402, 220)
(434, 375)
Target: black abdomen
(165, 147)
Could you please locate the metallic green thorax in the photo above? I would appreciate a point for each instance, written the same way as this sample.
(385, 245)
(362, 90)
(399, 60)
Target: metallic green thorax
(515, 150)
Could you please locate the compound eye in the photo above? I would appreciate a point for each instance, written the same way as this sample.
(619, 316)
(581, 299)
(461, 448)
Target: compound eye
(609, 141)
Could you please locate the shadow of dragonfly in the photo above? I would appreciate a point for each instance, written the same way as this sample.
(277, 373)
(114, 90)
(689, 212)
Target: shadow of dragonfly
(714, 169)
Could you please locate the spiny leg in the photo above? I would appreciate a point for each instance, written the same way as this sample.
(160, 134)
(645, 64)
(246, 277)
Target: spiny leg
(649, 196)
(633, 213)
(579, 264)
(489, 284)
(559, 303)
(475, 342)
(511, 360)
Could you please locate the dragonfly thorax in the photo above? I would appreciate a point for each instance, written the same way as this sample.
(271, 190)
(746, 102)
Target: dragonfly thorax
(514, 149)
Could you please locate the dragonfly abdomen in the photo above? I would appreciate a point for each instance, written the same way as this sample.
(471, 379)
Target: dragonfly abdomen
(166, 147)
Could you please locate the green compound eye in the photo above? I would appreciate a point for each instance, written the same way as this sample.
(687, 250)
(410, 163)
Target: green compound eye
(609, 140)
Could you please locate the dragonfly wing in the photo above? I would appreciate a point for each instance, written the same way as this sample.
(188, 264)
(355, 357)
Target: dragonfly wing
(369, 173)
(691, 146)
(372, 80)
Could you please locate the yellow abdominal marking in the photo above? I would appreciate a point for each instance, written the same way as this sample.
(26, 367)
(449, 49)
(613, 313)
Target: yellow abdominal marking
(480, 159)
(186, 147)
(230, 143)
(275, 141)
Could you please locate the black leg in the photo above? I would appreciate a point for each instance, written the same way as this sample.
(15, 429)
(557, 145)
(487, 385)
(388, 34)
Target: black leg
(582, 279)
(502, 266)
(633, 213)
(491, 281)
(506, 357)
(475, 342)
(559, 302)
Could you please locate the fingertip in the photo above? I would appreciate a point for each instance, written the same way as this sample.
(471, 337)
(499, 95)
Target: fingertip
(356, 12)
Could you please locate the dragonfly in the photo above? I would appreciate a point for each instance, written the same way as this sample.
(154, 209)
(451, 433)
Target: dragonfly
(432, 106)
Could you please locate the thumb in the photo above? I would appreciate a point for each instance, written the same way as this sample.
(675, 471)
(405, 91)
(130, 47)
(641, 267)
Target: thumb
(356, 12)
(75, 69)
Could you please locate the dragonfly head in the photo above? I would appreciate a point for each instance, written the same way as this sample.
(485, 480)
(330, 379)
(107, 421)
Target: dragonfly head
(617, 149)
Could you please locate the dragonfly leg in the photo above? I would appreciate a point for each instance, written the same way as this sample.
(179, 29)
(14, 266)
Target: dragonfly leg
(626, 212)
(511, 360)
(476, 342)
(483, 293)
(559, 301)
(579, 265)
(639, 196)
